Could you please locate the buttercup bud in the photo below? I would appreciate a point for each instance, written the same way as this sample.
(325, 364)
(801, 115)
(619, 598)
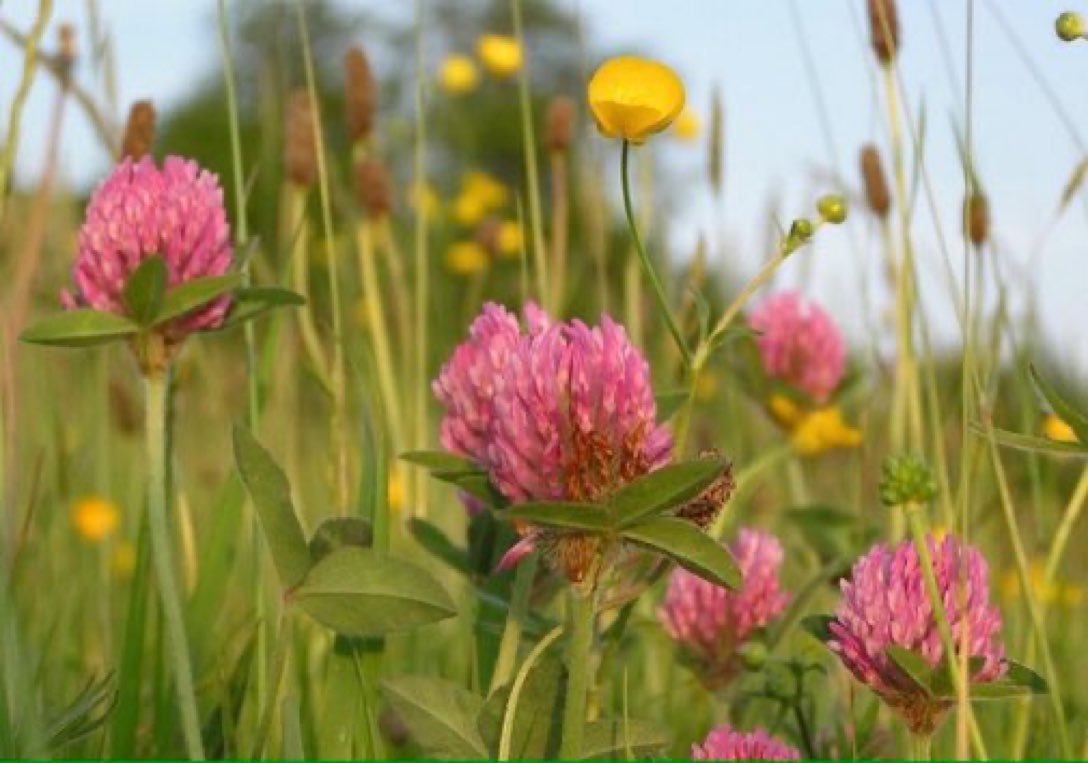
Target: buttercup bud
(832, 208)
(1069, 26)
(800, 232)
(906, 479)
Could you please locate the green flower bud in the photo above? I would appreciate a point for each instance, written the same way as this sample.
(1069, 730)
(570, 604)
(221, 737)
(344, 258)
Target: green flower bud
(832, 208)
(753, 655)
(906, 479)
(800, 232)
(1069, 26)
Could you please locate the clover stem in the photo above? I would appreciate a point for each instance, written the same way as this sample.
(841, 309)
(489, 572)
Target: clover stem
(163, 560)
(511, 635)
(644, 260)
(581, 615)
(916, 522)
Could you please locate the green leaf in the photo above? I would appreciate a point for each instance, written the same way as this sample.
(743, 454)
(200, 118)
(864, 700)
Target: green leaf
(568, 515)
(196, 293)
(338, 532)
(83, 716)
(1033, 443)
(615, 739)
(689, 547)
(668, 403)
(144, 290)
(1066, 411)
(1076, 180)
(475, 483)
(1018, 681)
(361, 592)
(253, 301)
(271, 494)
(663, 489)
(940, 684)
(435, 541)
(818, 626)
(79, 328)
(537, 719)
(439, 460)
(914, 665)
(441, 716)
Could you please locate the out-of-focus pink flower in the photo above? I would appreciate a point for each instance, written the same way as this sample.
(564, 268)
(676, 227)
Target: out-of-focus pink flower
(140, 211)
(800, 345)
(885, 603)
(710, 622)
(723, 743)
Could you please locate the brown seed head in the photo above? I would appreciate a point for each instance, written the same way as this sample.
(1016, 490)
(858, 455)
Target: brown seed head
(884, 29)
(139, 130)
(373, 188)
(361, 93)
(300, 151)
(976, 218)
(559, 123)
(876, 186)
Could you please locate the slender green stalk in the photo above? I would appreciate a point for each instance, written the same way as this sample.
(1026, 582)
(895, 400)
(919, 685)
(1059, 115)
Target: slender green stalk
(507, 734)
(422, 272)
(921, 747)
(647, 265)
(162, 558)
(279, 666)
(15, 113)
(1024, 575)
(339, 383)
(536, 217)
(511, 635)
(916, 522)
(1069, 520)
(581, 615)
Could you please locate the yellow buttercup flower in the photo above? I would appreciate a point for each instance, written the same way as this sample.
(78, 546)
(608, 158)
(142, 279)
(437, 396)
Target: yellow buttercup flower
(458, 74)
(466, 258)
(687, 125)
(510, 241)
(785, 411)
(95, 518)
(824, 429)
(468, 209)
(501, 54)
(1056, 429)
(632, 98)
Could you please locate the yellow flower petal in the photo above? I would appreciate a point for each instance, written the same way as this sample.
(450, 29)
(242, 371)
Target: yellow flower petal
(458, 74)
(632, 97)
(501, 54)
(488, 190)
(785, 411)
(687, 126)
(466, 258)
(510, 240)
(1056, 429)
(824, 429)
(95, 518)
(468, 209)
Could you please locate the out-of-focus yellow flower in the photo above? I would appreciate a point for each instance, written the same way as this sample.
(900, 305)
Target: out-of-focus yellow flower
(687, 125)
(785, 411)
(632, 98)
(706, 387)
(466, 258)
(395, 490)
(824, 429)
(490, 191)
(501, 54)
(1056, 429)
(95, 518)
(509, 240)
(1063, 594)
(468, 210)
(422, 197)
(458, 74)
(123, 561)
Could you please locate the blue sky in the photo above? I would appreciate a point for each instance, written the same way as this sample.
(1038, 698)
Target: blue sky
(775, 146)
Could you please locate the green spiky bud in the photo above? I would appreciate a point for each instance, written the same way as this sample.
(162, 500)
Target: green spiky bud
(832, 208)
(906, 480)
(1069, 26)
